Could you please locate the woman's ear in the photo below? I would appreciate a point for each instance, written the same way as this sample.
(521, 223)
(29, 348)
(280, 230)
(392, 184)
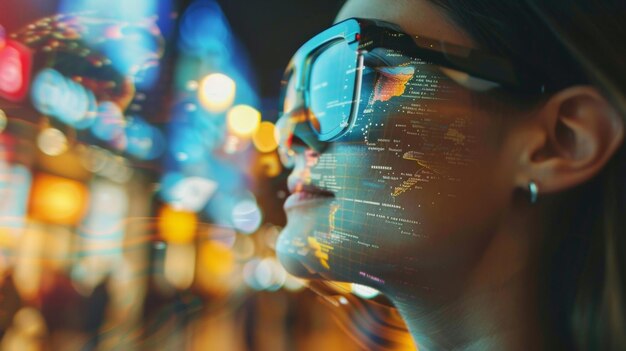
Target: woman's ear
(569, 140)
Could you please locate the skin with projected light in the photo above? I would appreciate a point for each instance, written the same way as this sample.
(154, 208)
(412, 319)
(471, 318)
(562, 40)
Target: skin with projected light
(418, 198)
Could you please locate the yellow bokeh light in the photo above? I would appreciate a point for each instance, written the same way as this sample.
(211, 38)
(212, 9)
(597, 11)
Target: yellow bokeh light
(216, 259)
(179, 269)
(217, 92)
(243, 120)
(269, 165)
(52, 142)
(58, 200)
(265, 137)
(176, 226)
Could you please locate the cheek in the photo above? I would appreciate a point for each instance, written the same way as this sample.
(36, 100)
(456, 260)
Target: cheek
(410, 181)
(414, 187)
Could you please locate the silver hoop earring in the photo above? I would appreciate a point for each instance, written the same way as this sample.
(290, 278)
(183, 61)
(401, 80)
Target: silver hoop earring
(534, 192)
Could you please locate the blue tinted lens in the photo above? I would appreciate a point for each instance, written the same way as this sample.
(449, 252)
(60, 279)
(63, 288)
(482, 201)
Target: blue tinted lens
(331, 88)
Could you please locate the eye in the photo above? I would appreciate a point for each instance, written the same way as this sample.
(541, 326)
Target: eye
(389, 65)
(386, 57)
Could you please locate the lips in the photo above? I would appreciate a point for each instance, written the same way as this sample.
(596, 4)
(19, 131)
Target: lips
(305, 198)
(300, 182)
(303, 193)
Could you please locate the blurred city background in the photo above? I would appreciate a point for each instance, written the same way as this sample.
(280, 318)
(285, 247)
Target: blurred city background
(140, 189)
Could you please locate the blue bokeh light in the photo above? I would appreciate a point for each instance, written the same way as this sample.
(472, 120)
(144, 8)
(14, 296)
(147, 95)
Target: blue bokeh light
(109, 123)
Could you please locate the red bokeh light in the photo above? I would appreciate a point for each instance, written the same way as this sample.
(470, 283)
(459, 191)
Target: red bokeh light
(15, 70)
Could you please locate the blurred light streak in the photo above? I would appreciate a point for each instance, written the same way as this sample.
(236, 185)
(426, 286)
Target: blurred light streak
(52, 142)
(180, 263)
(217, 92)
(57, 200)
(177, 226)
(243, 120)
(265, 139)
(246, 216)
(364, 291)
(204, 30)
(15, 70)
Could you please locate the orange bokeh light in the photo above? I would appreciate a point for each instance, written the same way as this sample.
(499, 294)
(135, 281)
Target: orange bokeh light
(58, 200)
(177, 226)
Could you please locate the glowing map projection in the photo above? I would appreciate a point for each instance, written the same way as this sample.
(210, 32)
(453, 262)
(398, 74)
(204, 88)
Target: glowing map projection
(391, 82)
(390, 174)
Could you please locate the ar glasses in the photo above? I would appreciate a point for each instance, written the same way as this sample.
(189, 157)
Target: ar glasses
(323, 81)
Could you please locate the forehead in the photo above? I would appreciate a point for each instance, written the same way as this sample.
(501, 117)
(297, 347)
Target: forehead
(414, 16)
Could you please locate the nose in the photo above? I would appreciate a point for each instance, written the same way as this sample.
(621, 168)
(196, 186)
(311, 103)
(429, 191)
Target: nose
(296, 135)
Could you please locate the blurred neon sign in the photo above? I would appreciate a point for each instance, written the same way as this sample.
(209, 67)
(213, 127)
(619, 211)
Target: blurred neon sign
(15, 70)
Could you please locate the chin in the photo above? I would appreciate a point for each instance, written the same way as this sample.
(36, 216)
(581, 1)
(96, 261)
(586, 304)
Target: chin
(300, 248)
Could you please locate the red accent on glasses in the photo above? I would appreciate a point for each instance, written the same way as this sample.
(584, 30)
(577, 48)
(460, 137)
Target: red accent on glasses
(15, 69)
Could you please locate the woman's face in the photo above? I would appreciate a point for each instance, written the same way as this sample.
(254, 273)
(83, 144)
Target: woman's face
(414, 189)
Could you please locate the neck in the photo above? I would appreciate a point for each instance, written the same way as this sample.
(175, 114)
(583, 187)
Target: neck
(495, 308)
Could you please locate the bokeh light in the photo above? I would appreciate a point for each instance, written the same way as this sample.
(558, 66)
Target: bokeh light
(109, 123)
(180, 265)
(15, 66)
(187, 193)
(216, 259)
(177, 226)
(62, 98)
(265, 139)
(264, 274)
(137, 210)
(243, 120)
(52, 142)
(364, 291)
(57, 200)
(143, 140)
(217, 92)
(246, 216)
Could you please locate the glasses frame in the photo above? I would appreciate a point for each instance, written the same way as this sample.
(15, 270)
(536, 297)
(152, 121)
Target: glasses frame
(364, 35)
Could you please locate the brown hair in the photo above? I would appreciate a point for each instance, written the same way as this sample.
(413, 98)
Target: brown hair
(582, 268)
